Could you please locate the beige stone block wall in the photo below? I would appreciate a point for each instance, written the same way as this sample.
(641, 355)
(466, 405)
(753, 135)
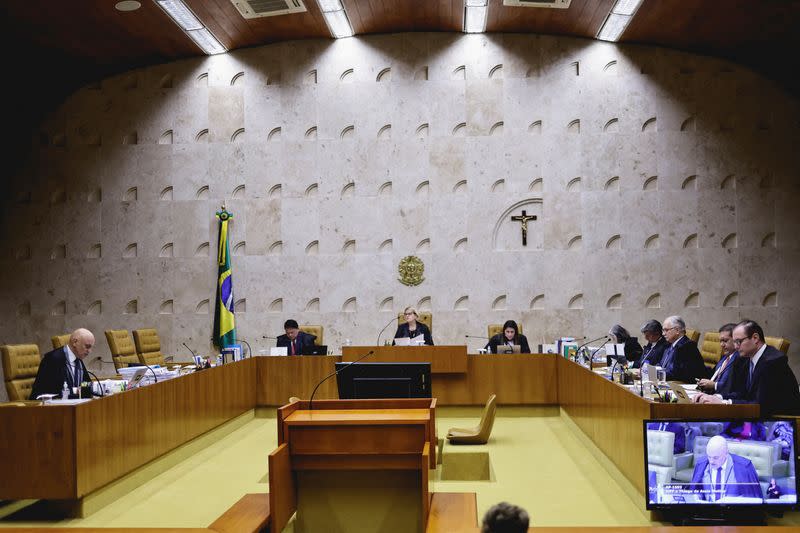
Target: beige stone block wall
(664, 183)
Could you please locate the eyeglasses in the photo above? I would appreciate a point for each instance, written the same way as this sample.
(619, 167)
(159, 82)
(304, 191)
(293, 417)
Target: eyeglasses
(409, 314)
(737, 342)
(670, 329)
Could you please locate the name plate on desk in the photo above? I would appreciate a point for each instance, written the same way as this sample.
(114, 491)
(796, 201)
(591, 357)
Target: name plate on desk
(443, 359)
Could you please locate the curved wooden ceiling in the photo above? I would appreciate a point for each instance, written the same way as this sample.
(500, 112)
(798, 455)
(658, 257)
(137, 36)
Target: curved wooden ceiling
(90, 39)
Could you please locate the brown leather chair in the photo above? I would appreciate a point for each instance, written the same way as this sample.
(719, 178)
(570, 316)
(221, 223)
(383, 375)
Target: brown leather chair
(710, 349)
(480, 433)
(20, 366)
(315, 330)
(779, 343)
(60, 341)
(148, 347)
(494, 329)
(425, 318)
(122, 349)
(693, 335)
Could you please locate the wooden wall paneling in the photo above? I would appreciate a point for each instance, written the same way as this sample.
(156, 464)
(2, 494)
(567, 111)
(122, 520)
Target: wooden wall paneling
(37, 452)
(516, 379)
(583, 18)
(443, 359)
(278, 378)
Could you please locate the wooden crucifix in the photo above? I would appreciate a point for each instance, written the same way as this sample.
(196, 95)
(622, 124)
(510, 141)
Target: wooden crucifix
(524, 218)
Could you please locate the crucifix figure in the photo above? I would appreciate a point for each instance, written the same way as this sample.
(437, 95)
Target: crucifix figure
(524, 219)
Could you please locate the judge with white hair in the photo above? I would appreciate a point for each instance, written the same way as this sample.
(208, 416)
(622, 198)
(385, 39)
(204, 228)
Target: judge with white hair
(720, 473)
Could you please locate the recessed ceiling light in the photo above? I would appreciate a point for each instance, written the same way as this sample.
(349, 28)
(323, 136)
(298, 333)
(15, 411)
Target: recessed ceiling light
(127, 5)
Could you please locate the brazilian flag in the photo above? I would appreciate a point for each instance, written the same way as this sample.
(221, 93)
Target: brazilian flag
(224, 323)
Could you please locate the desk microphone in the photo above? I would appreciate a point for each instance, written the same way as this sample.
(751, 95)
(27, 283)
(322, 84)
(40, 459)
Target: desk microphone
(311, 401)
(268, 337)
(384, 329)
(475, 337)
(194, 354)
(92, 374)
(604, 337)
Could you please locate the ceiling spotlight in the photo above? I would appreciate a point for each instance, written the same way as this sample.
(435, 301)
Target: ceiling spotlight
(127, 5)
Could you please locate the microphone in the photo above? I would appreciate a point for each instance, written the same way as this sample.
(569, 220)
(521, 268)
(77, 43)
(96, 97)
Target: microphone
(384, 329)
(311, 401)
(194, 354)
(588, 343)
(99, 386)
(155, 378)
(249, 349)
(268, 337)
(475, 337)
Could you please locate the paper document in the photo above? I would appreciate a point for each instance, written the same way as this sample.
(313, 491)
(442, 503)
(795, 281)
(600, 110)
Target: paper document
(615, 349)
(419, 340)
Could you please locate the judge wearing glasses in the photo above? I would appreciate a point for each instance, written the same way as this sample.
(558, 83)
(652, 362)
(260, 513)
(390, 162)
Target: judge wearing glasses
(682, 360)
(412, 328)
(760, 375)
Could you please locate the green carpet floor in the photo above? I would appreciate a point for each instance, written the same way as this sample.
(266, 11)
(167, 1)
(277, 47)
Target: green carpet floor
(537, 462)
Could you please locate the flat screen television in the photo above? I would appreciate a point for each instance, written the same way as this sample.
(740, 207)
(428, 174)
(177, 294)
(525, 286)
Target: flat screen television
(358, 381)
(710, 466)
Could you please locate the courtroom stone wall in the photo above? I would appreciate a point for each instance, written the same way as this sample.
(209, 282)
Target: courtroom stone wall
(663, 183)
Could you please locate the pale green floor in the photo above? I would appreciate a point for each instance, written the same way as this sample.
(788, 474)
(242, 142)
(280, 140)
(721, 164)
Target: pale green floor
(538, 462)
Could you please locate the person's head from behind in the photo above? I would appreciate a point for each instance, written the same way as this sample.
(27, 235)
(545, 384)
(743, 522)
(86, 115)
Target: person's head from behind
(652, 330)
(81, 342)
(291, 328)
(505, 518)
(510, 330)
(619, 334)
(717, 451)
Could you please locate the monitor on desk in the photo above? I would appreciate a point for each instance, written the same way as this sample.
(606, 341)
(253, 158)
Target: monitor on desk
(712, 466)
(357, 381)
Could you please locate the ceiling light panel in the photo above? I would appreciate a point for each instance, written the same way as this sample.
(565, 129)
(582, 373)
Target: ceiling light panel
(181, 14)
(475, 12)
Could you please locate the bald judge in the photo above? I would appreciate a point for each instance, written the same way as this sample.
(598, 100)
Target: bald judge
(64, 365)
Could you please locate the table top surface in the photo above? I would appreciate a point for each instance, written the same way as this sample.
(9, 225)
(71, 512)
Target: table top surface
(359, 416)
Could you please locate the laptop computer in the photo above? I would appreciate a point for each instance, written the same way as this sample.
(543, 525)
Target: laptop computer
(137, 377)
(506, 348)
(314, 350)
(679, 391)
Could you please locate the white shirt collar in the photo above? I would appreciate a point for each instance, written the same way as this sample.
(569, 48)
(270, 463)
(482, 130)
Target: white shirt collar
(70, 356)
(677, 341)
(758, 354)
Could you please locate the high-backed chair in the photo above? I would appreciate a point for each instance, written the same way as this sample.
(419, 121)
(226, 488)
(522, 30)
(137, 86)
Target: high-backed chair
(425, 318)
(693, 335)
(661, 454)
(684, 462)
(494, 329)
(60, 340)
(148, 347)
(122, 349)
(480, 433)
(710, 349)
(779, 343)
(20, 365)
(315, 330)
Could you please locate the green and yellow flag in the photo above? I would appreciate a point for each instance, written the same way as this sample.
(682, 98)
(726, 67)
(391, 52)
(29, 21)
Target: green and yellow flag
(224, 323)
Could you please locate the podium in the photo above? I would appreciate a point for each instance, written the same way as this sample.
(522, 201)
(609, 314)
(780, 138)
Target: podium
(353, 465)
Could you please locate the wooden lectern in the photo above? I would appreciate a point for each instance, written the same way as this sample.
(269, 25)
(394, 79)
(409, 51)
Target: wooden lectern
(353, 465)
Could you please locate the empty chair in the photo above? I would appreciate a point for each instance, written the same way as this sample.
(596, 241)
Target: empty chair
(20, 365)
(779, 343)
(148, 347)
(693, 335)
(710, 349)
(661, 454)
(480, 433)
(315, 330)
(59, 341)
(122, 349)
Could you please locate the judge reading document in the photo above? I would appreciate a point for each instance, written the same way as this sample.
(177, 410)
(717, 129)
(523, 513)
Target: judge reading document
(509, 337)
(412, 328)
